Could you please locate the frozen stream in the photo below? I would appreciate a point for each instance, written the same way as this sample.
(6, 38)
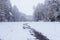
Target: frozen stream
(14, 30)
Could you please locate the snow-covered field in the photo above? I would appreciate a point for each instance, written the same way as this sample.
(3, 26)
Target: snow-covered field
(15, 31)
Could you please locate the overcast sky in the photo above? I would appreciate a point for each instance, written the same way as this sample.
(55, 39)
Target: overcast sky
(26, 6)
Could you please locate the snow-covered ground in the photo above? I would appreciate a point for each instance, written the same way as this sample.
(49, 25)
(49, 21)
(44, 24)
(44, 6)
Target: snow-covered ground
(15, 31)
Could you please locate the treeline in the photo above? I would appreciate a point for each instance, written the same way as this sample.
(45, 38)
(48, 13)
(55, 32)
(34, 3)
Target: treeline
(49, 11)
(9, 13)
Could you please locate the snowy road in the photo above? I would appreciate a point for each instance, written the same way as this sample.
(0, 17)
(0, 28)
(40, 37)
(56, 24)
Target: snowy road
(14, 31)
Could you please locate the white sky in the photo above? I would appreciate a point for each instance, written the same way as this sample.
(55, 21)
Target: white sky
(26, 6)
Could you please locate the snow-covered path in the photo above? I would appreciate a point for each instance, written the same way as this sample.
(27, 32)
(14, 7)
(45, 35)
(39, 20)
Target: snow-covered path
(14, 31)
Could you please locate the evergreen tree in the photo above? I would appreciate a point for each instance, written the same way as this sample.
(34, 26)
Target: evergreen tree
(50, 11)
(53, 7)
(5, 11)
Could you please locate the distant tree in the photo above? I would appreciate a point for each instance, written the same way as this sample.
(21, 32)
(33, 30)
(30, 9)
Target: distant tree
(23, 17)
(38, 13)
(0, 39)
(29, 18)
(15, 13)
(35, 33)
(18, 16)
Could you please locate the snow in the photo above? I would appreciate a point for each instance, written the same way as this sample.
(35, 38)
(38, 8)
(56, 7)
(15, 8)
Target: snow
(15, 31)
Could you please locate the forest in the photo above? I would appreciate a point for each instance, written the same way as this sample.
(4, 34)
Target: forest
(47, 12)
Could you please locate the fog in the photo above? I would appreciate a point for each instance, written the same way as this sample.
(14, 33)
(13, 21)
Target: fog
(26, 6)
